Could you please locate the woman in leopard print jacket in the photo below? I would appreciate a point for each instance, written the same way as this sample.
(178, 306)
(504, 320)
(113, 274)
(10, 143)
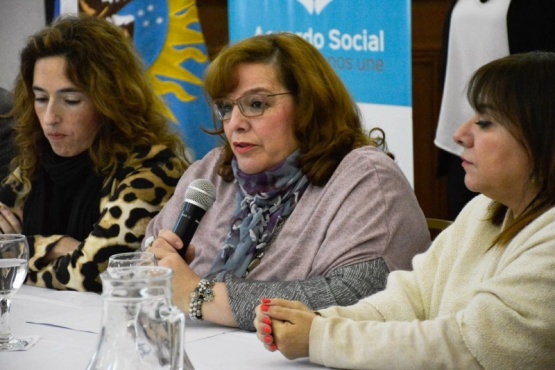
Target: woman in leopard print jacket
(96, 156)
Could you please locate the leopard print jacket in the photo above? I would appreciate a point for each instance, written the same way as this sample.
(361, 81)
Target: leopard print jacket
(130, 198)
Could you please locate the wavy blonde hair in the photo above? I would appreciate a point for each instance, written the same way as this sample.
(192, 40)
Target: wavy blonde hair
(327, 122)
(101, 62)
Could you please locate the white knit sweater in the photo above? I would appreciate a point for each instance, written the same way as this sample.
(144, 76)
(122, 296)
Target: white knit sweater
(464, 305)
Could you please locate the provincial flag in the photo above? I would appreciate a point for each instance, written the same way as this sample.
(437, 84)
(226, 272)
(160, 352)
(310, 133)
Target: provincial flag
(168, 36)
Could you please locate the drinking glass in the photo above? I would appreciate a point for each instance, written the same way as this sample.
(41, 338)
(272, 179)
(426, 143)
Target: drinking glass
(132, 259)
(14, 257)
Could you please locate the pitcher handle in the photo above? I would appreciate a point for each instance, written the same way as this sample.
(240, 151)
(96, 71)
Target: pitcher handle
(176, 320)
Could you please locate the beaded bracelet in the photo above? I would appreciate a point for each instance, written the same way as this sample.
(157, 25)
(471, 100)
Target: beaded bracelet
(204, 292)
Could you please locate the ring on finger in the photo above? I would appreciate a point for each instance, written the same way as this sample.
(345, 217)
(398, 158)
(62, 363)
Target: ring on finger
(149, 241)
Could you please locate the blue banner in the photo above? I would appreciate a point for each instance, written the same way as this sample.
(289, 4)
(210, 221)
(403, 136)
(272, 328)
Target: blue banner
(367, 42)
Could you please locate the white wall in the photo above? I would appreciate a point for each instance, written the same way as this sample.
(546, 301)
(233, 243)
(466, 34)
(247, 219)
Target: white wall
(18, 20)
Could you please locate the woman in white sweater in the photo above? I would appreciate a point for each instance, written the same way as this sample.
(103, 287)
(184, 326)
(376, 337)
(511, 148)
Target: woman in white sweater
(483, 295)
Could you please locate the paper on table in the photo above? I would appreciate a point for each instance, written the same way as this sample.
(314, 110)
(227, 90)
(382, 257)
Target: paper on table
(204, 330)
(66, 309)
(73, 320)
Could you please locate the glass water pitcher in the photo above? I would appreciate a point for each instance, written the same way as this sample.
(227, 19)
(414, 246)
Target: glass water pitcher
(141, 329)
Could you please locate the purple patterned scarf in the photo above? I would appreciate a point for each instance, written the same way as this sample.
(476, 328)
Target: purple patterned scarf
(262, 201)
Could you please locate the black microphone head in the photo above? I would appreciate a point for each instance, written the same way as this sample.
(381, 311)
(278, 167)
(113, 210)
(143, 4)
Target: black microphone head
(201, 192)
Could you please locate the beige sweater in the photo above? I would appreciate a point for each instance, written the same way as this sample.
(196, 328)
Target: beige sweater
(463, 307)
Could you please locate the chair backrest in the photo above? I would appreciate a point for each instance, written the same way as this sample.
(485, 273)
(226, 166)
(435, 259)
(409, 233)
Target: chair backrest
(437, 225)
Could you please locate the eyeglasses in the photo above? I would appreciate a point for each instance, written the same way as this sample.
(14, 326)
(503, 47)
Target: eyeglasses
(251, 105)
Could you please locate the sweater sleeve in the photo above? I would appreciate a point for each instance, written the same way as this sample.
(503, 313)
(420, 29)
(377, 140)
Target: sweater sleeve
(432, 344)
(396, 336)
(465, 305)
(136, 194)
(393, 335)
(342, 286)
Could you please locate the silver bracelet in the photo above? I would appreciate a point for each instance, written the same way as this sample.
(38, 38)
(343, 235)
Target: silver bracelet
(204, 292)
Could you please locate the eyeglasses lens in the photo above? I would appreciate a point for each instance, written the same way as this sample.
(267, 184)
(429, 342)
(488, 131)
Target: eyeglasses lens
(249, 105)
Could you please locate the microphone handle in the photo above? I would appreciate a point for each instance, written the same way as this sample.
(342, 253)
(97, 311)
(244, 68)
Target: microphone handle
(187, 224)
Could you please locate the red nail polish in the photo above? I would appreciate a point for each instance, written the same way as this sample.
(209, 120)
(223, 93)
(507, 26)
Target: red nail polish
(266, 329)
(273, 348)
(268, 339)
(266, 320)
(265, 300)
(264, 308)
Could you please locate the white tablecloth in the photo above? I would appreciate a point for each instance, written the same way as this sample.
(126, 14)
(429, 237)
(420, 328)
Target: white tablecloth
(69, 323)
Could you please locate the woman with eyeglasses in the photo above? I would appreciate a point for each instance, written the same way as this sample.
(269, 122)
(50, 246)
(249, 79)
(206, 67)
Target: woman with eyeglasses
(307, 206)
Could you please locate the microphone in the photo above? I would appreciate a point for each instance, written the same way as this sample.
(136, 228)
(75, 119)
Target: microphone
(199, 196)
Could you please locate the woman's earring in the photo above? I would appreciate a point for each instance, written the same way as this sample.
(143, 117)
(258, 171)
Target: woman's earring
(533, 180)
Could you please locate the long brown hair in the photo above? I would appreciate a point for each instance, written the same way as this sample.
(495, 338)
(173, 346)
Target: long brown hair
(327, 121)
(518, 91)
(102, 62)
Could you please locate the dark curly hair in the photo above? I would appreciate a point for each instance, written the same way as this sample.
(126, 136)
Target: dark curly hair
(101, 62)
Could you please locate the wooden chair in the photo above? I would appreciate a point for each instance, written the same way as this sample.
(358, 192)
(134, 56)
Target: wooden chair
(437, 225)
